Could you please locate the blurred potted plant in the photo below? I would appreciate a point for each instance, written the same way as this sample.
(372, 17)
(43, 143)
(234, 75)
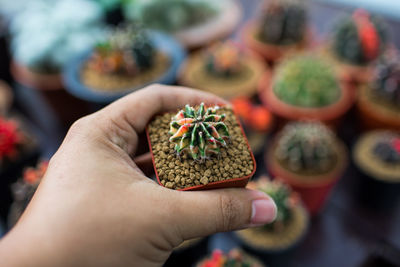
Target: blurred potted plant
(128, 59)
(278, 238)
(200, 148)
(223, 69)
(24, 189)
(235, 258)
(193, 23)
(379, 102)
(304, 87)
(309, 157)
(377, 157)
(356, 43)
(282, 28)
(44, 37)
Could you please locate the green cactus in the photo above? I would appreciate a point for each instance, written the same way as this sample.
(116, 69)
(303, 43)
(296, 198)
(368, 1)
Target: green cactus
(386, 85)
(282, 196)
(199, 132)
(359, 39)
(283, 23)
(306, 147)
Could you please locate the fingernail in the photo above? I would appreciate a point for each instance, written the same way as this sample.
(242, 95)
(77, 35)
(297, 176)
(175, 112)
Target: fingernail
(263, 211)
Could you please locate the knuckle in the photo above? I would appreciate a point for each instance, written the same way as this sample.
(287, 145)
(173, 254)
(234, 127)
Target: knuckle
(229, 212)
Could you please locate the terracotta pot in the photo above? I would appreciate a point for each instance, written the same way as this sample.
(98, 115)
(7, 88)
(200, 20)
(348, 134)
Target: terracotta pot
(315, 189)
(214, 29)
(373, 115)
(270, 52)
(50, 86)
(235, 182)
(329, 115)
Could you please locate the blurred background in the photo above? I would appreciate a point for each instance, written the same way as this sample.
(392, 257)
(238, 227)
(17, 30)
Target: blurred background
(316, 85)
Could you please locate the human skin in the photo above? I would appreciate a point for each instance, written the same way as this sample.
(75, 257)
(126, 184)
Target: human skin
(95, 206)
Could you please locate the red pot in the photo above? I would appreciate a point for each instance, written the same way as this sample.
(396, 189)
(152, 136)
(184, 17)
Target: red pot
(270, 52)
(236, 182)
(315, 191)
(329, 115)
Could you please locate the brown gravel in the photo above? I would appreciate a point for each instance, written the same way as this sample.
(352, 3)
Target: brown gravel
(175, 172)
(115, 83)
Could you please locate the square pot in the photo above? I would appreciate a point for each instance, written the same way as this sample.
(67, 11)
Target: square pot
(232, 167)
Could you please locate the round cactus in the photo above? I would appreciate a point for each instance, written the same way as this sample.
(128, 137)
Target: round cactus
(306, 81)
(126, 51)
(283, 22)
(200, 132)
(223, 59)
(387, 81)
(359, 39)
(306, 147)
(387, 148)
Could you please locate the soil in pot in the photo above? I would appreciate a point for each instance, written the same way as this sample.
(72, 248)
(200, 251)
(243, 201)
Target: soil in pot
(234, 163)
(223, 69)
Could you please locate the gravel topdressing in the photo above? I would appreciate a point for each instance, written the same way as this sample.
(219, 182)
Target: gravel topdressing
(234, 161)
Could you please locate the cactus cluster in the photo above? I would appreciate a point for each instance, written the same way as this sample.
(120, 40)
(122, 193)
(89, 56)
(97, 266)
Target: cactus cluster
(10, 138)
(170, 15)
(387, 148)
(126, 51)
(306, 147)
(200, 132)
(359, 39)
(233, 259)
(223, 59)
(306, 81)
(283, 22)
(387, 81)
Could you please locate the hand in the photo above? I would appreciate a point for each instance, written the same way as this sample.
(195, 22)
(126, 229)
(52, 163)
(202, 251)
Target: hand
(95, 207)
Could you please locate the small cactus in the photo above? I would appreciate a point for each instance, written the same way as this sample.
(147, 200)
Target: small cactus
(200, 132)
(283, 23)
(387, 81)
(359, 39)
(387, 148)
(306, 147)
(10, 138)
(306, 81)
(127, 51)
(223, 59)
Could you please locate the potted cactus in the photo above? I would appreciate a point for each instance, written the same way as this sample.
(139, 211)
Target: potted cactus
(279, 237)
(379, 102)
(193, 23)
(200, 147)
(282, 28)
(127, 59)
(24, 189)
(356, 43)
(304, 87)
(235, 258)
(223, 69)
(309, 157)
(377, 157)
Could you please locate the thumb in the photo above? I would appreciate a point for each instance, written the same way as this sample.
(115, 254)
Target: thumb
(202, 213)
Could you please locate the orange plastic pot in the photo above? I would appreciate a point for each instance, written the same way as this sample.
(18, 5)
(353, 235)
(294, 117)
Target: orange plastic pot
(314, 192)
(270, 52)
(235, 182)
(329, 115)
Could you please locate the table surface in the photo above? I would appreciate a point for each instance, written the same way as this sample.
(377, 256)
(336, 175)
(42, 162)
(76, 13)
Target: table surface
(347, 232)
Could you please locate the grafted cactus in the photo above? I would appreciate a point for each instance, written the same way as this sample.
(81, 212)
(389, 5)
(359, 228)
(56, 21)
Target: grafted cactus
(126, 51)
(388, 148)
(306, 81)
(306, 147)
(284, 22)
(200, 132)
(387, 81)
(359, 39)
(223, 59)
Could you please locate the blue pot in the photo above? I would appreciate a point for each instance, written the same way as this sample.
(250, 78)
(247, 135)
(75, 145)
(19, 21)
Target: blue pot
(162, 42)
